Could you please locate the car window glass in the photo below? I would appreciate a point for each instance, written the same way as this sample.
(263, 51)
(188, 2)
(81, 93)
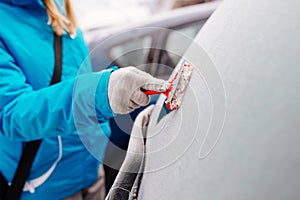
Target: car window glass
(176, 44)
(132, 52)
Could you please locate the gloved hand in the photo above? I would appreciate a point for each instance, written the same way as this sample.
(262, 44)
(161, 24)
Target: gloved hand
(124, 89)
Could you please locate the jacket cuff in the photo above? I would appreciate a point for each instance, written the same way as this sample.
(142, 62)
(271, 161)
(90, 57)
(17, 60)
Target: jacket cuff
(103, 109)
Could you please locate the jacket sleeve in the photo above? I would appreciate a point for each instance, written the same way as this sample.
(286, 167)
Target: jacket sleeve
(28, 114)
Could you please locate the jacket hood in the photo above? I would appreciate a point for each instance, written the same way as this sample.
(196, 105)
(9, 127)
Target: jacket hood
(25, 3)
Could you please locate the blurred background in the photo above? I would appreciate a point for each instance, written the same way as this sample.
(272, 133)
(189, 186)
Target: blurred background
(103, 13)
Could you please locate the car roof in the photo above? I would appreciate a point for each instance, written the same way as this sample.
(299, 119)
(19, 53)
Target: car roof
(166, 20)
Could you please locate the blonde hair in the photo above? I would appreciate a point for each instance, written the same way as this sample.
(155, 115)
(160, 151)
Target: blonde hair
(61, 24)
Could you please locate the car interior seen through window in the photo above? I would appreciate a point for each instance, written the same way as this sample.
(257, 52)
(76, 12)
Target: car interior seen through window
(132, 53)
(139, 51)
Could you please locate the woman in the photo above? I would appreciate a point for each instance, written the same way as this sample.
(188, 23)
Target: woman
(30, 109)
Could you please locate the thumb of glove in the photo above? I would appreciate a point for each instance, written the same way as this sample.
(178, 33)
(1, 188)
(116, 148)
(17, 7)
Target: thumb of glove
(152, 83)
(157, 85)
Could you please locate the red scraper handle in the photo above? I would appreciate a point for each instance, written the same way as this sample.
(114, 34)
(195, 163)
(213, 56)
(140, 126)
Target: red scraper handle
(151, 92)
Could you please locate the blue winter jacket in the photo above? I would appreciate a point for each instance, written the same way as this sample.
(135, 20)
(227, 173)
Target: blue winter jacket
(30, 109)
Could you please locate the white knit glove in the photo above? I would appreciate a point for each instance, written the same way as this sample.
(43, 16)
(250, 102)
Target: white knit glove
(124, 89)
